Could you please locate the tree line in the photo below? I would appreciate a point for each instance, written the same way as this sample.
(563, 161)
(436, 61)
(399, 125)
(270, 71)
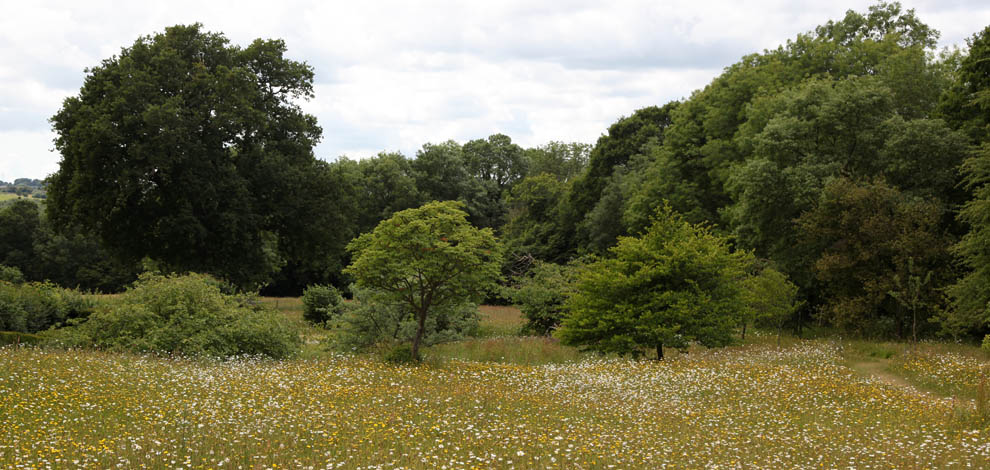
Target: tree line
(852, 161)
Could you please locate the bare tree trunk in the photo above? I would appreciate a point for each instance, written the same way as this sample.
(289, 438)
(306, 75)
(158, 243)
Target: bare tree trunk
(914, 324)
(743, 332)
(421, 326)
(659, 351)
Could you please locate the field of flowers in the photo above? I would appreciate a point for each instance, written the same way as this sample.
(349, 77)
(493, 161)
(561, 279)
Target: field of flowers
(745, 407)
(944, 371)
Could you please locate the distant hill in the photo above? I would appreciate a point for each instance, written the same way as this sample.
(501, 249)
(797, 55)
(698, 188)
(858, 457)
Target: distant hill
(22, 187)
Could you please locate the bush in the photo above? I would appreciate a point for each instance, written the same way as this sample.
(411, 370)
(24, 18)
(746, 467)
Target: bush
(32, 307)
(11, 274)
(986, 343)
(184, 314)
(321, 304)
(371, 320)
(14, 337)
(401, 354)
(541, 296)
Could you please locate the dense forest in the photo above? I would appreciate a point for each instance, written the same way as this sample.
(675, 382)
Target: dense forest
(854, 160)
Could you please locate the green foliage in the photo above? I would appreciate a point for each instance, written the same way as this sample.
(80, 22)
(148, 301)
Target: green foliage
(73, 258)
(565, 161)
(865, 238)
(534, 217)
(188, 150)
(986, 344)
(321, 304)
(626, 138)
(372, 319)
(966, 103)
(15, 337)
(183, 314)
(428, 259)
(770, 299)
(11, 274)
(497, 160)
(441, 173)
(400, 354)
(541, 295)
(19, 224)
(675, 284)
(35, 306)
(971, 294)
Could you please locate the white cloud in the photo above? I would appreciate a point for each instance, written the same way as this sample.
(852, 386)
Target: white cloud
(27, 154)
(392, 75)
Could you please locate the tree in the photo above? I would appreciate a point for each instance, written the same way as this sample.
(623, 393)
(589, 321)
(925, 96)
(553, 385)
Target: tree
(562, 160)
(428, 259)
(770, 299)
(440, 172)
(866, 239)
(19, 224)
(966, 102)
(496, 159)
(625, 138)
(971, 294)
(675, 284)
(184, 148)
(534, 214)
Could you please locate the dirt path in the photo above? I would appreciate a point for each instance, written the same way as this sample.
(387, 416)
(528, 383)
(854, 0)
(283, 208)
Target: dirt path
(878, 369)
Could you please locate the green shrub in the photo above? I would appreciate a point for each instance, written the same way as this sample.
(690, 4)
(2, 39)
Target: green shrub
(11, 274)
(400, 354)
(321, 304)
(541, 296)
(986, 343)
(370, 320)
(184, 314)
(16, 337)
(35, 306)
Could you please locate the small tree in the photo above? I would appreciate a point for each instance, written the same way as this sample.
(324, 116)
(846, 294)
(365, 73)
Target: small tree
(321, 303)
(675, 284)
(428, 259)
(770, 299)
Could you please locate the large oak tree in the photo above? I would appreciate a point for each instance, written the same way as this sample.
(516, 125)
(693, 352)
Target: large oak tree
(184, 149)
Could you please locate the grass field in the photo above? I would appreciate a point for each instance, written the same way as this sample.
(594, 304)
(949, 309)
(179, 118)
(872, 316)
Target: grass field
(750, 406)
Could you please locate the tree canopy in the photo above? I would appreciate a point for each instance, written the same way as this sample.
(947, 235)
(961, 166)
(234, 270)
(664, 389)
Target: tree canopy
(427, 259)
(185, 149)
(675, 284)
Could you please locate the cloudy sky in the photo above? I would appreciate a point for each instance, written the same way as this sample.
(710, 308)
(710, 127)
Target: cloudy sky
(392, 75)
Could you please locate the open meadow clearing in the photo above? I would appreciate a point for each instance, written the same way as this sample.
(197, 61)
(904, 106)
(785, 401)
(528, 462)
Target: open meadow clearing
(752, 406)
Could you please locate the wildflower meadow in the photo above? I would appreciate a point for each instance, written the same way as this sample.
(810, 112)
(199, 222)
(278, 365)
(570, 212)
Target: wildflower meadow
(755, 406)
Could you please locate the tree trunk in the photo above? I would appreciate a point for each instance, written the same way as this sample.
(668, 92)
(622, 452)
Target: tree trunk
(799, 323)
(743, 332)
(659, 351)
(421, 326)
(914, 324)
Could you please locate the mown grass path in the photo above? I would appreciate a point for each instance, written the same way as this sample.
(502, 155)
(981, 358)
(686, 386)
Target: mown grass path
(879, 369)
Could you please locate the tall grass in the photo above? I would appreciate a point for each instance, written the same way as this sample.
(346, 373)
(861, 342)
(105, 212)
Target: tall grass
(740, 407)
(528, 350)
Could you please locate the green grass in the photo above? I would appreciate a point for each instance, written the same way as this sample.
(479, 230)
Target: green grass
(499, 321)
(527, 350)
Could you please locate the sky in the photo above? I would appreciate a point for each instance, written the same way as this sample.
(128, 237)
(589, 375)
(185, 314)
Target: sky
(393, 75)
